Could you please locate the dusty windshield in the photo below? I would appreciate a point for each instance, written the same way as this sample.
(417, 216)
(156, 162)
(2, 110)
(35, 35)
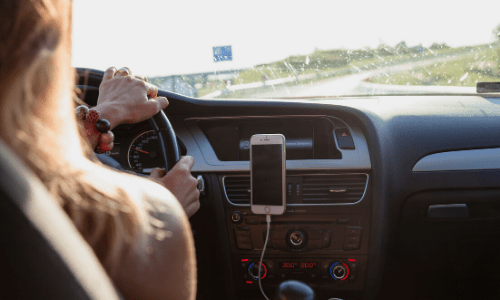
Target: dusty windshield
(280, 49)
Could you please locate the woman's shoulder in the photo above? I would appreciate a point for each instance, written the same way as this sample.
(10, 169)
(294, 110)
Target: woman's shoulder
(160, 261)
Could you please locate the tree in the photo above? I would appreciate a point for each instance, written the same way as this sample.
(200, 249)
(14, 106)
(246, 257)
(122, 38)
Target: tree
(496, 33)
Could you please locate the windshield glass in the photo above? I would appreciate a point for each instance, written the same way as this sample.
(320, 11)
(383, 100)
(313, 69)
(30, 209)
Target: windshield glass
(279, 49)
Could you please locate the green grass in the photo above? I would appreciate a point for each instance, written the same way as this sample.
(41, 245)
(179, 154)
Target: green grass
(327, 61)
(255, 74)
(462, 71)
(209, 89)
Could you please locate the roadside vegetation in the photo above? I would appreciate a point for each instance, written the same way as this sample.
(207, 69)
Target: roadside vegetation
(467, 70)
(323, 62)
(332, 63)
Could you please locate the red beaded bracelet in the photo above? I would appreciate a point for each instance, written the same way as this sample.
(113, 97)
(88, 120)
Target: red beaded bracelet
(95, 126)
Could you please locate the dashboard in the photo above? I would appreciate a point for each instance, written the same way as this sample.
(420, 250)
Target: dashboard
(388, 197)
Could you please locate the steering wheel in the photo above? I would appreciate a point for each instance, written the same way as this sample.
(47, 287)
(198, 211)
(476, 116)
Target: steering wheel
(89, 81)
(169, 149)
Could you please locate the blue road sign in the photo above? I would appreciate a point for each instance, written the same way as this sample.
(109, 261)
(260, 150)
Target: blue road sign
(223, 53)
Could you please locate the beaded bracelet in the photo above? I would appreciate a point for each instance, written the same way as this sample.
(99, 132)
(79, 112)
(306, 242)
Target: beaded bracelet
(95, 127)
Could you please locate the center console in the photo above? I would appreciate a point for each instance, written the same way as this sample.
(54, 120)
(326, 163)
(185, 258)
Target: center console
(323, 237)
(324, 244)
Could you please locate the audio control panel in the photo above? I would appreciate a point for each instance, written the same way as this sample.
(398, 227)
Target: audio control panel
(342, 233)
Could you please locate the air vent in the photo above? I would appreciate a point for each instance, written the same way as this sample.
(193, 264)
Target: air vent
(326, 189)
(237, 189)
(316, 189)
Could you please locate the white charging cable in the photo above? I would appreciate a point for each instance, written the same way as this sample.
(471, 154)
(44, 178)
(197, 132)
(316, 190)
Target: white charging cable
(268, 221)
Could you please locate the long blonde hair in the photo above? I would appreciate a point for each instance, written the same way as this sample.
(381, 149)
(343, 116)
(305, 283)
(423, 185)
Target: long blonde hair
(35, 38)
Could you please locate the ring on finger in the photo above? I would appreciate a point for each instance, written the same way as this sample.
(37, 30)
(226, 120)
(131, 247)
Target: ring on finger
(125, 70)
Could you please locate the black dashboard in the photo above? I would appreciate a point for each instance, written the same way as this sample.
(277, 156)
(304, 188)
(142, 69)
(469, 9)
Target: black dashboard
(417, 216)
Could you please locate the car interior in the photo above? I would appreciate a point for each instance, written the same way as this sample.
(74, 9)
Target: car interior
(393, 197)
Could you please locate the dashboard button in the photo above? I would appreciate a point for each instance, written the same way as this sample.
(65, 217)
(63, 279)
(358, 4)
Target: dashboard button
(326, 238)
(298, 189)
(344, 139)
(240, 239)
(242, 231)
(314, 244)
(353, 265)
(237, 217)
(314, 234)
(343, 220)
(352, 238)
(270, 266)
(353, 231)
(351, 245)
(325, 265)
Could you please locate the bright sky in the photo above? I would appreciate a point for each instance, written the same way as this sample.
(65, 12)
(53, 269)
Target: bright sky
(158, 37)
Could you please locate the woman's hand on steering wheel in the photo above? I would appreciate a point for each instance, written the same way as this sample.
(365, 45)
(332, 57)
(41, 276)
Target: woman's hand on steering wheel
(181, 183)
(126, 98)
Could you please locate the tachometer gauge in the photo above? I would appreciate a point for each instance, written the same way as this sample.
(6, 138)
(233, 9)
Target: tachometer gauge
(144, 153)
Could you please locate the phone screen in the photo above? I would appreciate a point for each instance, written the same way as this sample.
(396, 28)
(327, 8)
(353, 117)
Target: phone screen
(267, 177)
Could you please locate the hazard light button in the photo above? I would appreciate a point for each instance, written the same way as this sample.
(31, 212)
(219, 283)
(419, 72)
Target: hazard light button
(344, 139)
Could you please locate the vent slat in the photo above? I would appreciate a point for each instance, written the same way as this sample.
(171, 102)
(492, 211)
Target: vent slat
(350, 189)
(330, 196)
(237, 189)
(315, 189)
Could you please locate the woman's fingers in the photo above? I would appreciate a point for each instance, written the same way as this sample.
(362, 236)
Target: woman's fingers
(157, 174)
(151, 90)
(109, 73)
(155, 105)
(143, 78)
(192, 208)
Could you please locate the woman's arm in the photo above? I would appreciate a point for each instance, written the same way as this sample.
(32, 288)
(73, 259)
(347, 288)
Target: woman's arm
(126, 98)
(160, 263)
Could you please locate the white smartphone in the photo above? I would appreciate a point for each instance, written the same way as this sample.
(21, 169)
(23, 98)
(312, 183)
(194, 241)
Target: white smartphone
(268, 174)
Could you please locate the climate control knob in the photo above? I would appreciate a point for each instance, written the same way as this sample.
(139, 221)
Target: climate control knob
(253, 271)
(339, 271)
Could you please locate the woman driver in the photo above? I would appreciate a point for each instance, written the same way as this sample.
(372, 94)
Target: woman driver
(137, 228)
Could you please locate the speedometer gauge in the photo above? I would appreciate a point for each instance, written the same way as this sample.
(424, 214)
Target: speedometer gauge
(144, 153)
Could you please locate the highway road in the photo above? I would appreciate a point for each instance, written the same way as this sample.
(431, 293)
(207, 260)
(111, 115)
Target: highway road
(356, 84)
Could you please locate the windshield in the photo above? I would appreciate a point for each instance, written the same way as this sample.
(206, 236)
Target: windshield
(279, 49)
